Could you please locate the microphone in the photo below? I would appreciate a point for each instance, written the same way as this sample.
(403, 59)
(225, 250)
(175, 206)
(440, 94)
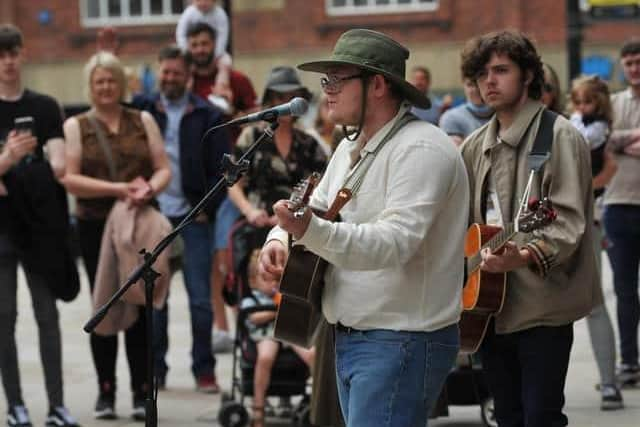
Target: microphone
(296, 107)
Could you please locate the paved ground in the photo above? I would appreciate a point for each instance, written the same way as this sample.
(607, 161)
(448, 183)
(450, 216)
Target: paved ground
(181, 405)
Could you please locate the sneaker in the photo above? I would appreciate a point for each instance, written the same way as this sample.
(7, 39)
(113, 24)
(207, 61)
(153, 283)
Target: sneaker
(207, 384)
(139, 407)
(628, 375)
(105, 406)
(60, 417)
(18, 416)
(611, 398)
(222, 342)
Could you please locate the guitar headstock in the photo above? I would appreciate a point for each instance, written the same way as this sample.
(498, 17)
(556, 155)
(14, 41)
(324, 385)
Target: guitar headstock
(302, 193)
(539, 215)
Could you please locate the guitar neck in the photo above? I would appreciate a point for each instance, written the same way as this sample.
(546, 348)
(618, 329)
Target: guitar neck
(494, 244)
(343, 196)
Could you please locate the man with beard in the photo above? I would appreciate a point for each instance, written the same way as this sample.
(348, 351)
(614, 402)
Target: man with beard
(201, 39)
(195, 166)
(201, 42)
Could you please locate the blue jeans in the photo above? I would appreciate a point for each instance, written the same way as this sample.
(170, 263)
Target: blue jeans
(392, 378)
(226, 216)
(196, 267)
(622, 227)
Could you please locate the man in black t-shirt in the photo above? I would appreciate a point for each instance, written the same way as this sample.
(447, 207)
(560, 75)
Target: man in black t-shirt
(32, 227)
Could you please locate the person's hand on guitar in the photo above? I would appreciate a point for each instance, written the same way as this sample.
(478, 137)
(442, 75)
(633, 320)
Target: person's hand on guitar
(271, 261)
(509, 259)
(296, 226)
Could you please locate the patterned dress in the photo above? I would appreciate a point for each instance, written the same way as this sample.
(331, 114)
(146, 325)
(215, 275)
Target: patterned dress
(272, 177)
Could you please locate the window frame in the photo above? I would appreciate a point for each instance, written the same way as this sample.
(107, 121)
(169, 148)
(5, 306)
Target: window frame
(349, 9)
(144, 19)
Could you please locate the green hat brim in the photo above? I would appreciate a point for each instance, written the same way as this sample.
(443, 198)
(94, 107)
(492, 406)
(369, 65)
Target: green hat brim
(409, 91)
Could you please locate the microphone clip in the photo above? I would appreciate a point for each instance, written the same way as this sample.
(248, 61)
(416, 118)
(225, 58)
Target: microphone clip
(233, 171)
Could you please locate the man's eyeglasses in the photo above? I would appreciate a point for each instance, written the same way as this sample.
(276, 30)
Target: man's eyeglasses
(334, 84)
(548, 87)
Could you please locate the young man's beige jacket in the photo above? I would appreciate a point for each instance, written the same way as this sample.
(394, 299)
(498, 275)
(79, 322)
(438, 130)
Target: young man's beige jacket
(562, 284)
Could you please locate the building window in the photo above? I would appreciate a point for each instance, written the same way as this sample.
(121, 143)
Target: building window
(362, 7)
(97, 13)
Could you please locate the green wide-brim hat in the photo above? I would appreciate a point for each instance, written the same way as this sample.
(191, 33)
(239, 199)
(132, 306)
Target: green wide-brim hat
(375, 52)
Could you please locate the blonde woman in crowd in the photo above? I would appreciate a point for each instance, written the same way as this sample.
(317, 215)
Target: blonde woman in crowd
(113, 153)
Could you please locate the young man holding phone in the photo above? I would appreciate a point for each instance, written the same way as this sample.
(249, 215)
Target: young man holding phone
(29, 121)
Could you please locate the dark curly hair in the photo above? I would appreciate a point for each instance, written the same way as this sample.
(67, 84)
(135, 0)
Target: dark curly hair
(201, 27)
(518, 47)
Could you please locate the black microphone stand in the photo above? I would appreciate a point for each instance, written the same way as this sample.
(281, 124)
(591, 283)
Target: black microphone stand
(232, 172)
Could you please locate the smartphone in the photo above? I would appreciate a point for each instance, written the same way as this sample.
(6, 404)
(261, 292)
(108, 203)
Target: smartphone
(24, 124)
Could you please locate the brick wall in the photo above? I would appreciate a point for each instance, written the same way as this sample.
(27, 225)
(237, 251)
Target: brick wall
(271, 32)
(303, 24)
(64, 38)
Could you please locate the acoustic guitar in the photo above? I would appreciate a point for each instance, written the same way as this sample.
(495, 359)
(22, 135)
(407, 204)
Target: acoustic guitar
(483, 293)
(299, 312)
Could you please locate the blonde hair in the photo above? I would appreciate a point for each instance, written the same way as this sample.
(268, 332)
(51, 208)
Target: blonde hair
(109, 62)
(593, 87)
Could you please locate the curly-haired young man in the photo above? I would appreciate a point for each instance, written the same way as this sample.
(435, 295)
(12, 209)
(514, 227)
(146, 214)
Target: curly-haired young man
(551, 280)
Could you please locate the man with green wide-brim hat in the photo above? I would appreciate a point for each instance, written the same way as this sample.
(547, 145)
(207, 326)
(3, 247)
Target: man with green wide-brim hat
(372, 53)
(376, 53)
(392, 287)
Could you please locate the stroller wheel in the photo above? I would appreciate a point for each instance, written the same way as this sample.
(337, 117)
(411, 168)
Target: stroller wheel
(487, 412)
(233, 414)
(302, 417)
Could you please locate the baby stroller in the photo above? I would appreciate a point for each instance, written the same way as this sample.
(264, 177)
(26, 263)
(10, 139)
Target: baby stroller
(465, 385)
(289, 375)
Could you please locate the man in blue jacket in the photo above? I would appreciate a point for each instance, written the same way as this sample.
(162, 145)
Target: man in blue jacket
(195, 166)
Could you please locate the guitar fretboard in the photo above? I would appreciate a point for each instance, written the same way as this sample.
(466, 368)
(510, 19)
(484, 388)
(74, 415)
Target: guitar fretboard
(495, 243)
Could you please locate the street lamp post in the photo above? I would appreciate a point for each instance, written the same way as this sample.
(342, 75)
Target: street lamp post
(227, 8)
(574, 38)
